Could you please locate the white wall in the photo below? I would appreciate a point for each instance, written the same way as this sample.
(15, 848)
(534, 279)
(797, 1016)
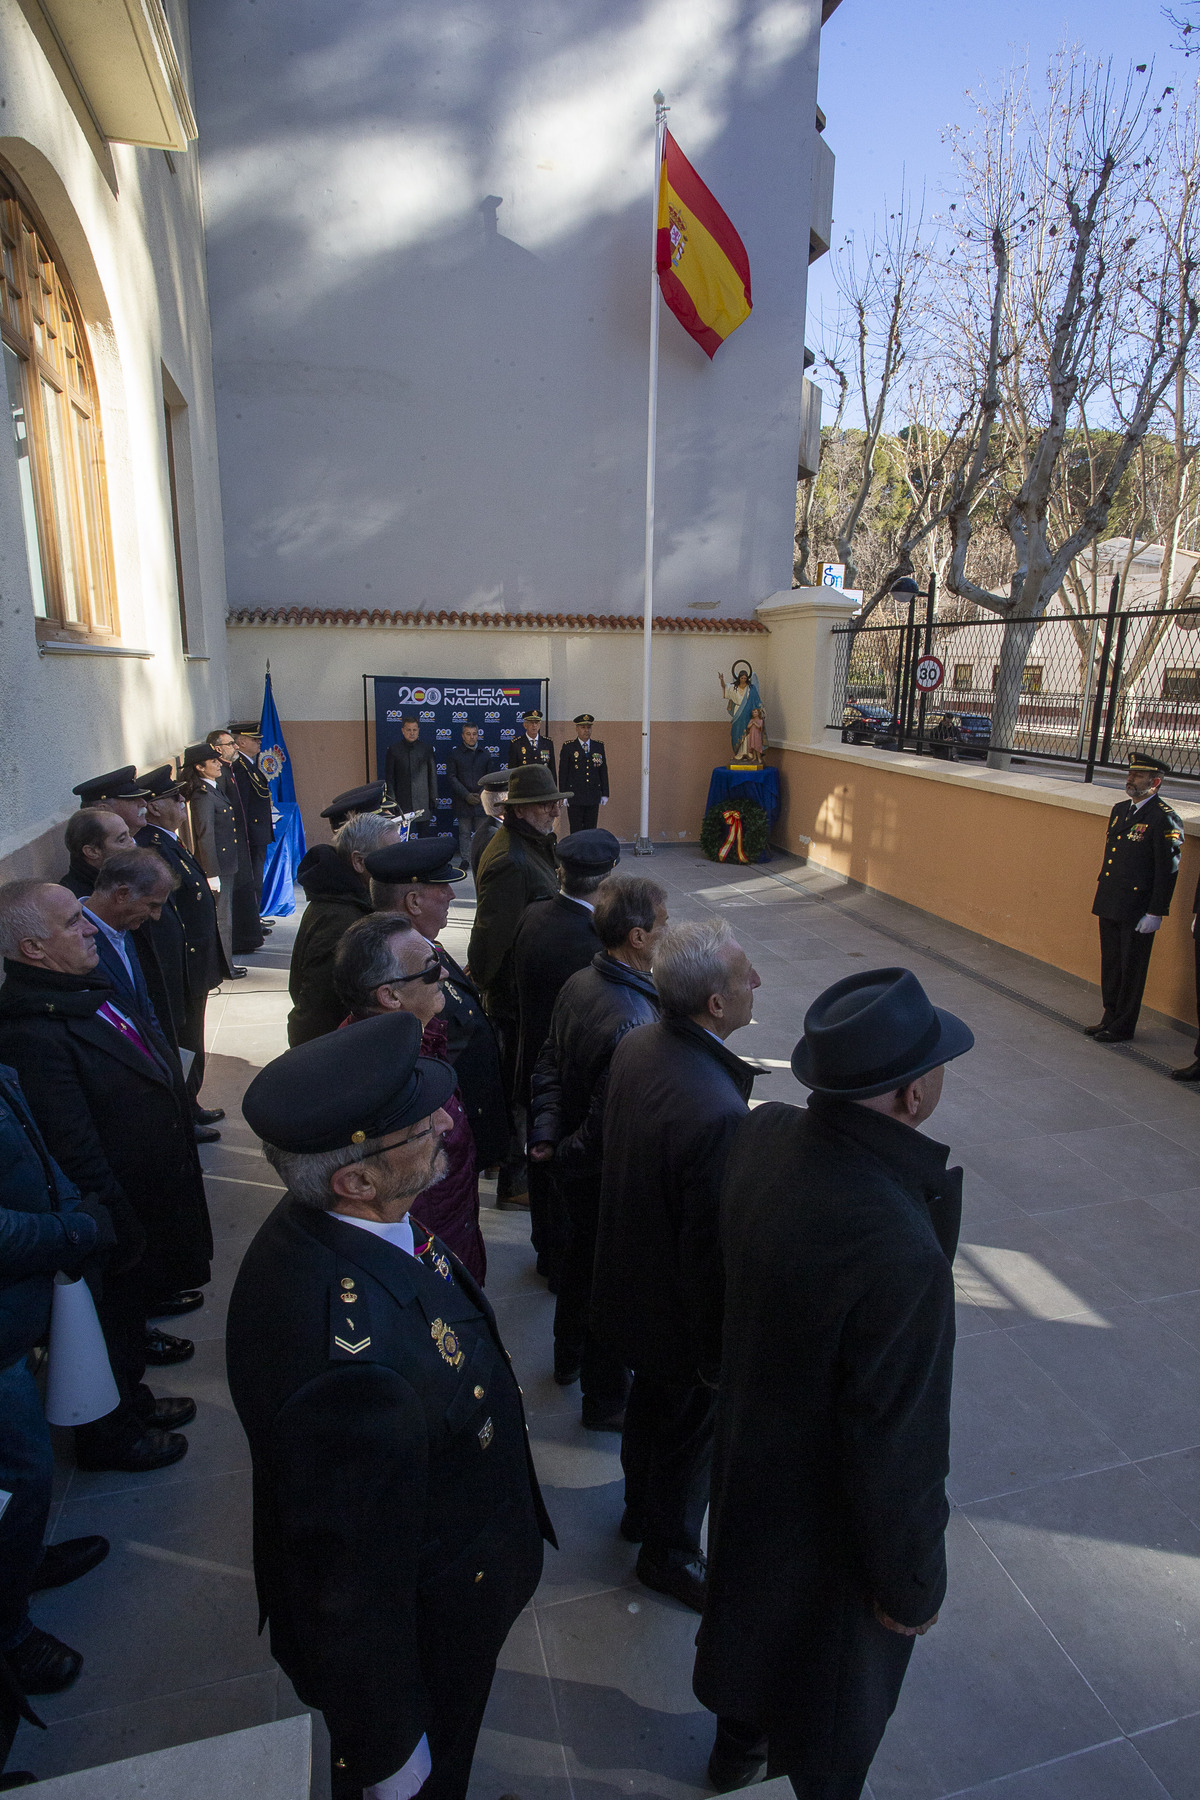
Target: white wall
(429, 400)
(129, 235)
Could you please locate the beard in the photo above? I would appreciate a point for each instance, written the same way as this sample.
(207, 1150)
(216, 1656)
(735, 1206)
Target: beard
(437, 1169)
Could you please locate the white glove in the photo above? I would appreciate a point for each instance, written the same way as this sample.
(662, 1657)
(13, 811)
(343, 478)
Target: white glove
(214, 882)
(406, 1781)
(1148, 922)
(604, 802)
(1193, 924)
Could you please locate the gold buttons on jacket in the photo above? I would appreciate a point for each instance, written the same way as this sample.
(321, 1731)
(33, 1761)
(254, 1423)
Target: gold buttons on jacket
(479, 1577)
(479, 1393)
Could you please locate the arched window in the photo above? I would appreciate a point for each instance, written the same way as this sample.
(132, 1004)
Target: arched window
(56, 424)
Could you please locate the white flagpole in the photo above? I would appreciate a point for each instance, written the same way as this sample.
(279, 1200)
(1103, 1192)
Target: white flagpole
(644, 847)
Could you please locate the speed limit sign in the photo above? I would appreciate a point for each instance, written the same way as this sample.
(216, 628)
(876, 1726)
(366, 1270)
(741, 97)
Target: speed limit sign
(931, 672)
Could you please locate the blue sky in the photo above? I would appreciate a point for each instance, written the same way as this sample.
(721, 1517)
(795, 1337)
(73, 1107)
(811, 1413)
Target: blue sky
(893, 76)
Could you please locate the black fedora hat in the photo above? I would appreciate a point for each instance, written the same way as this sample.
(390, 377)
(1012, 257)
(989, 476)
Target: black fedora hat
(531, 784)
(873, 1032)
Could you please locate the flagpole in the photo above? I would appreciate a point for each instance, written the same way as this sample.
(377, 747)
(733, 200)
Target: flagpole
(644, 847)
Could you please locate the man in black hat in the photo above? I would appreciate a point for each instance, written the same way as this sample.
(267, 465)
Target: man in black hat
(255, 792)
(531, 746)
(248, 930)
(214, 834)
(414, 880)
(826, 1553)
(518, 866)
(583, 767)
(117, 792)
(369, 797)
(466, 767)
(410, 770)
(398, 1526)
(1133, 894)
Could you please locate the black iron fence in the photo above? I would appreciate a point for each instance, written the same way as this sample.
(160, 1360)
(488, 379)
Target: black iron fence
(1083, 691)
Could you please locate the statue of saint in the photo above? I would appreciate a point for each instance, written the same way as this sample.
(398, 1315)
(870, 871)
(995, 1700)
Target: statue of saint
(747, 716)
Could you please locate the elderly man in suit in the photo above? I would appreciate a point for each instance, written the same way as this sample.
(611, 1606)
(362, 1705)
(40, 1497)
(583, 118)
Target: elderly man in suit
(132, 890)
(398, 1525)
(826, 1551)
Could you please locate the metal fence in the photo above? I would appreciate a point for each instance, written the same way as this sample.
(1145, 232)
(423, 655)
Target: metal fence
(1084, 691)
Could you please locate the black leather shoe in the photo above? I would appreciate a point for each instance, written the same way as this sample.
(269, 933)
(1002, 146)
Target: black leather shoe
(173, 1306)
(729, 1770)
(205, 1134)
(566, 1368)
(592, 1420)
(266, 920)
(208, 1115)
(68, 1561)
(15, 1778)
(151, 1449)
(238, 974)
(630, 1528)
(1111, 1037)
(162, 1349)
(1091, 1030)
(685, 1582)
(40, 1664)
(171, 1413)
(1191, 1073)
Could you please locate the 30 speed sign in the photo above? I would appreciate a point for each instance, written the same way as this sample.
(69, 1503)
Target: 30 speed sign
(931, 672)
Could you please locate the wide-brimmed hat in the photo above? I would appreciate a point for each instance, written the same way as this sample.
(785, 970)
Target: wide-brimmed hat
(345, 1087)
(873, 1032)
(531, 785)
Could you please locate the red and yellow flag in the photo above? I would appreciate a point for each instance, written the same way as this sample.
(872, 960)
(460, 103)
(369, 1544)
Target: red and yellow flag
(703, 268)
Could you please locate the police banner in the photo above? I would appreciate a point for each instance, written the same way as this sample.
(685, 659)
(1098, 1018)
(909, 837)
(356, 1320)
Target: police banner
(442, 706)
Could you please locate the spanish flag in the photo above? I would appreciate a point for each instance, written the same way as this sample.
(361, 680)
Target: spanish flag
(703, 268)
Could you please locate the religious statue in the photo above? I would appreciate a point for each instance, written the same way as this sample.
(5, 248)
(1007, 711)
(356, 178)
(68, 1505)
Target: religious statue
(747, 717)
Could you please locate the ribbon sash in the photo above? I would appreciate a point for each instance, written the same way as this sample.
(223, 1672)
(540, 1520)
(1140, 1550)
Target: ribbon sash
(733, 840)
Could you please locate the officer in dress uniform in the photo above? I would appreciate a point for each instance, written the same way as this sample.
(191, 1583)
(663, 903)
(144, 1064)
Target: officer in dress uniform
(398, 1524)
(531, 746)
(1133, 894)
(255, 792)
(583, 768)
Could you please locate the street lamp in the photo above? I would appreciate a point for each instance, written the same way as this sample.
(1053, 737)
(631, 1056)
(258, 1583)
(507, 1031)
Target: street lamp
(906, 589)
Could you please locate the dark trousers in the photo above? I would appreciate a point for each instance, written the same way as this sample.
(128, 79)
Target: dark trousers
(582, 818)
(828, 1757)
(191, 1037)
(121, 1308)
(514, 1175)
(224, 902)
(26, 1472)
(546, 1228)
(457, 1704)
(666, 1453)
(468, 823)
(603, 1378)
(247, 929)
(1124, 963)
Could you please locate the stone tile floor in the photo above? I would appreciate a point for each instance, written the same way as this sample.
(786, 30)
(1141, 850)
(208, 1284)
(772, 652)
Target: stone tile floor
(1066, 1665)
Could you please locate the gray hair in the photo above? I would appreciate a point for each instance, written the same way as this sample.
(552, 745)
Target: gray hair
(388, 896)
(625, 903)
(691, 963)
(363, 832)
(88, 829)
(141, 871)
(22, 914)
(579, 883)
(365, 959)
(308, 1174)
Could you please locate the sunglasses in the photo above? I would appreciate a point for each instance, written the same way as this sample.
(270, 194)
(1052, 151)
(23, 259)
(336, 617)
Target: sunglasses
(429, 974)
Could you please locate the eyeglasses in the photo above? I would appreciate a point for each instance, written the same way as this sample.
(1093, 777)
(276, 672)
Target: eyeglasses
(431, 972)
(414, 1139)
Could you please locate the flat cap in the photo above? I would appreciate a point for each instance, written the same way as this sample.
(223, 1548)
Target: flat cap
(496, 782)
(584, 719)
(247, 728)
(160, 784)
(118, 784)
(362, 1082)
(594, 850)
(195, 754)
(368, 798)
(420, 860)
(1139, 759)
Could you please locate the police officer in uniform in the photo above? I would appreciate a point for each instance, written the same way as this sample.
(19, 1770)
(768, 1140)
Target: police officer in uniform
(255, 792)
(531, 746)
(1133, 894)
(398, 1525)
(584, 769)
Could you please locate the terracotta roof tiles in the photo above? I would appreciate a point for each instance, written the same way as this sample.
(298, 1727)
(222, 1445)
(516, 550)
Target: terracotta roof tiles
(530, 621)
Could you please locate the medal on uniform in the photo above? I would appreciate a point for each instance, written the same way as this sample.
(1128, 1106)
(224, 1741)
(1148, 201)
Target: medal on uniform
(447, 1344)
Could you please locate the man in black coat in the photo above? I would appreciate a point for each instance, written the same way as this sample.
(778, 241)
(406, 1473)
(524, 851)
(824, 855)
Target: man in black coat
(248, 930)
(826, 1552)
(596, 1008)
(493, 790)
(410, 770)
(116, 1117)
(583, 767)
(414, 880)
(1133, 894)
(398, 1525)
(255, 792)
(90, 836)
(555, 938)
(214, 835)
(133, 890)
(466, 767)
(675, 1097)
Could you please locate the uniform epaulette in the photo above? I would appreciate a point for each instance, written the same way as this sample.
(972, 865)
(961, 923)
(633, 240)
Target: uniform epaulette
(349, 1320)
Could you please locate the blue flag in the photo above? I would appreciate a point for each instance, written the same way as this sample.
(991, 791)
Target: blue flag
(283, 856)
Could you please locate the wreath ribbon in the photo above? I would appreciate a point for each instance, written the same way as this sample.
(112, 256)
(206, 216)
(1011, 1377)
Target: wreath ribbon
(733, 840)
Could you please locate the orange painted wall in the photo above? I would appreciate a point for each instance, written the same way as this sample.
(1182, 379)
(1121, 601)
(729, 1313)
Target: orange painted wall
(327, 758)
(1019, 871)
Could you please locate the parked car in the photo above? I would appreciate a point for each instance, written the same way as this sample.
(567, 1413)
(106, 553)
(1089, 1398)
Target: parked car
(955, 734)
(862, 720)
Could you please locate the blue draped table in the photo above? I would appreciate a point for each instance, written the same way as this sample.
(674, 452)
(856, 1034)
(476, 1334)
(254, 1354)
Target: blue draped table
(754, 784)
(282, 861)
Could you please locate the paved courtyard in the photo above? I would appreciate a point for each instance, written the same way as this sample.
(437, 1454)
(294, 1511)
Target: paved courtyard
(1066, 1665)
